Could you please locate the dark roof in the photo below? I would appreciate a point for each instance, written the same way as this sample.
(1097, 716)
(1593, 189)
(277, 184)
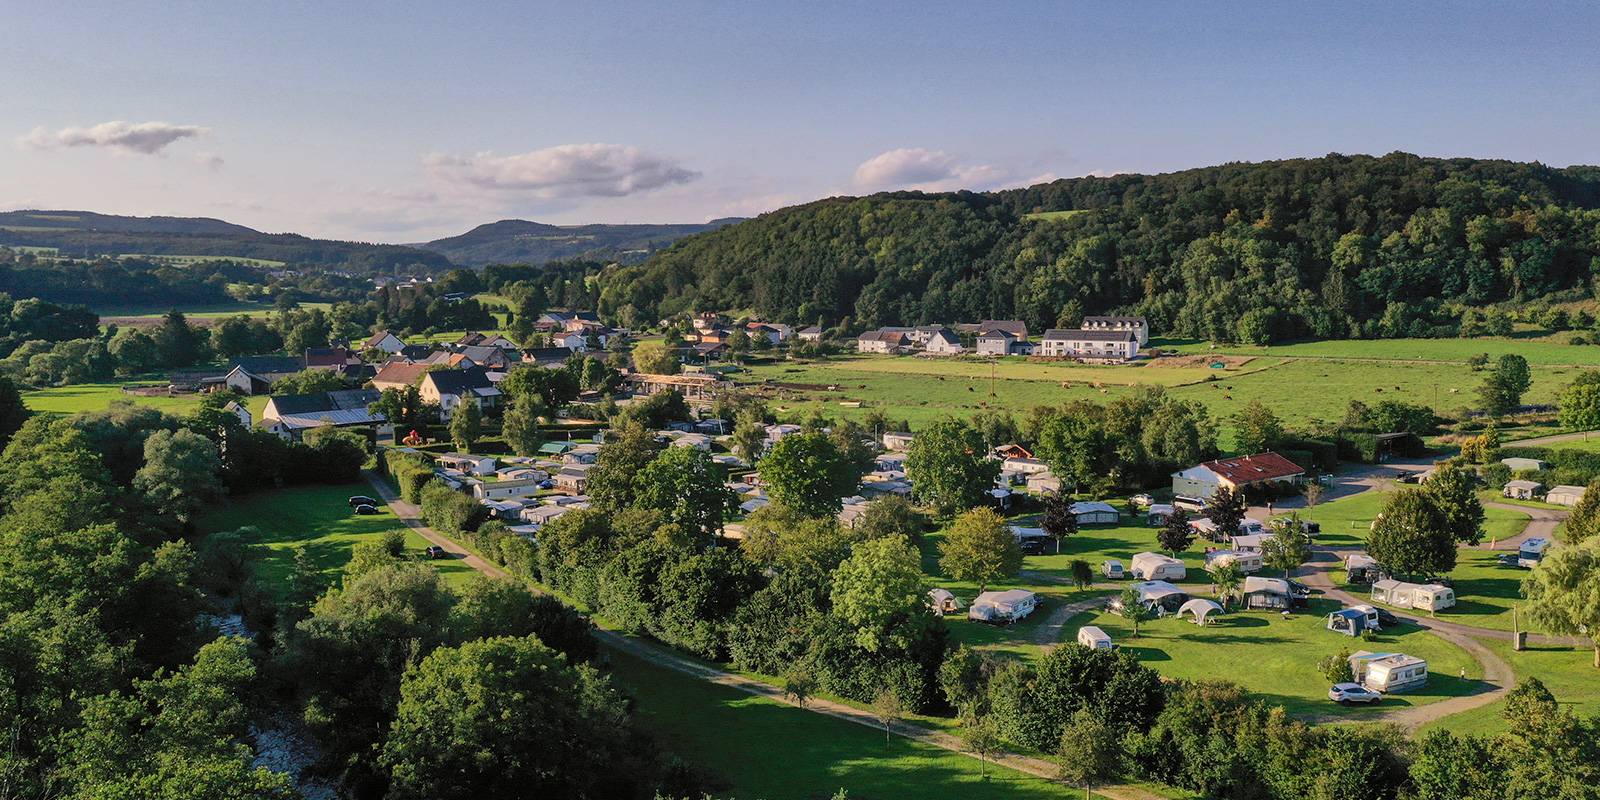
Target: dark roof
(482, 354)
(882, 336)
(416, 352)
(1015, 327)
(811, 329)
(269, 365)
(301, 404)
(459, 381)
(329, 357)
(945, 334)
(997, 333)
(1114, 320)
(471, 337)
(372, 341)
(1075, 335)
(1259, 467)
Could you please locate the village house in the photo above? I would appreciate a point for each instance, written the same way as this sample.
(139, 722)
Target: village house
(943, 342)
(386, 341)
(896, 440)
(881, 341)
(449, 388)
(1203, 480)
(1135, 324)
(810, 334)
(398, 374)
(1108, 345)
(289, 416)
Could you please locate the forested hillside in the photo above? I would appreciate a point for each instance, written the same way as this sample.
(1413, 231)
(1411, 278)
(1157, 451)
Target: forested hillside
(518, 241)
(86, 235)
(1340, 246)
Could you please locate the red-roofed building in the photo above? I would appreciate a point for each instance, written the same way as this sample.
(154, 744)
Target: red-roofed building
(1235, 473)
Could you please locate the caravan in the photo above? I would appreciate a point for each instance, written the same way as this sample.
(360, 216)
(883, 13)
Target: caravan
(1248, 563)
(1388, 672)
(1003, 607)
(1424, 597)
(1093, 638)
(1361, 568)
(1157, 567)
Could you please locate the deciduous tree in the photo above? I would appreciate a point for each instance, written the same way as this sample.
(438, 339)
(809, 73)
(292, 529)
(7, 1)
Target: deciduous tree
(981, 548)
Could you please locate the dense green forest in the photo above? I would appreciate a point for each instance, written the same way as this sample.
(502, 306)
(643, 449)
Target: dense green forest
(1339, 246)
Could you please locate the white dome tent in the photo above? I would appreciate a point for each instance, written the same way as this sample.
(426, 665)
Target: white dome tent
(1201, 608)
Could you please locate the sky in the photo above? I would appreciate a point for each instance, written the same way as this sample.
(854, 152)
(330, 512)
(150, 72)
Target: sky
(403, 122)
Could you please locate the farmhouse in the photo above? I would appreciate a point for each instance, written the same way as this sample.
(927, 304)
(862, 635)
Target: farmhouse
(450, 388)
(1261, 469)
(1092, 345)
(943, 342)
(398, 374)
(1000, 343)
(810, 334)
(1564, 495)
(1137, 325)
(881, 341)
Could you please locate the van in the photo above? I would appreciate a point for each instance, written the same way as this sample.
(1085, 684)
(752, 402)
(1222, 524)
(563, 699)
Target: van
(1111, 568)
(1189, 504)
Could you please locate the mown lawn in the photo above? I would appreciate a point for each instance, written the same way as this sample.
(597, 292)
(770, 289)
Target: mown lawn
(319, 519)
(96, 396)
(762, 748)
(1568, 673)
(1276, 658)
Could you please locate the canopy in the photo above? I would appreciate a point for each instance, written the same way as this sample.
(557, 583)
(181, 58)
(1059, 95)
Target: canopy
(1201, 609)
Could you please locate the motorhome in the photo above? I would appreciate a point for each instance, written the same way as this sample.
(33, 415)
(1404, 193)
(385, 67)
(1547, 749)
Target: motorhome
(1157, 567)
(1531, 550)
(1111, 568)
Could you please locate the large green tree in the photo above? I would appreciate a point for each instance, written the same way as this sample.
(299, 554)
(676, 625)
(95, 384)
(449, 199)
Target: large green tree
(1564, 592)
(1412, 535)
(1579, 403)
(687, 486)
(181, 474)
(876, 588)
(949, 467)
(1504, 384)
(808, 473)
(980, 548)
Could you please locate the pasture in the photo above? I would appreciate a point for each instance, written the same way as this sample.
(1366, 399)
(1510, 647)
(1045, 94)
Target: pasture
(96, 396)
(319, 519)
(1538, 350)
(1275, 658)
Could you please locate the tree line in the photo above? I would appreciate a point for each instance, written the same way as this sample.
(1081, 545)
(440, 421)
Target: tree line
(1332, 247)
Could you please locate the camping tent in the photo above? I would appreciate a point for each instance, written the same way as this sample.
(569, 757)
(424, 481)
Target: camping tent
(943, 601)
(1273, 593)
(1201, 608)
(1095, 513)
(1361, 568)
(1347, 621)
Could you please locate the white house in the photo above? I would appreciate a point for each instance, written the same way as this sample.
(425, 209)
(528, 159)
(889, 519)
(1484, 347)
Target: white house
(881, 341)
(944, 342)
(449, 388)
(1136, 325)
(468, 463)
(897, 440)
(1203, 480)
(1097, 345)
(810, 334)
(239, 412)
(385, 341)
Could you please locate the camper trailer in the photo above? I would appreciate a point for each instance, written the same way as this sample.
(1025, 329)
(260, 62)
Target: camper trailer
(1246, 562)
(1031, 540)
(1360, 568)
(1267, 593)
(1531, 550)
(1157, 567)
(1093, 638)
(1158, 513)
(943, 602)
(1003, 607)
(1389, 672)
(1423, 597)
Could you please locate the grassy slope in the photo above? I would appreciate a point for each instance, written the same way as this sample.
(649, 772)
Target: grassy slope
(765, 749)
(317, 518)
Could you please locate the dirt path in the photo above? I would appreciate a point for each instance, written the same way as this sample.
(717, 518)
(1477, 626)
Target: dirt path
(1540, 441)
(668, 659)
(1542, 522)
(1049, 631)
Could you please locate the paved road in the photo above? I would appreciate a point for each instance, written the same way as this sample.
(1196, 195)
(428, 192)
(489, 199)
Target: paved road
(662, 657)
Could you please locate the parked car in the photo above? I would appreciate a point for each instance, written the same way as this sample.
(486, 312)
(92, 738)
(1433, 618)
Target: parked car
(1347, 693)
(1385, 618)
(366, 508)
(547, 484)
(361, 500)
(1142, 500)
(1031, 547)
(435, 551)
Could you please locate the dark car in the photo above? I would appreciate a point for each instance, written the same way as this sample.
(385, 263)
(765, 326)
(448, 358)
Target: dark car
(1031, 547)
(361, 500)
(1386, 619)
(366, 508)
(435, 551)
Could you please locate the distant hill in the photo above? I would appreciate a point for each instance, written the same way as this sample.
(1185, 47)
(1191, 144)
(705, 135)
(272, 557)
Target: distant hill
(86, 234)
(519, 241)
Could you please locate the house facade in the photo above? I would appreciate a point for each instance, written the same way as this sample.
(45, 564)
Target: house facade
(1137, 325)
(943, 342)
(1106, 345)
(1203, 480)
(451, 388)
(386, 341)
(881, 341)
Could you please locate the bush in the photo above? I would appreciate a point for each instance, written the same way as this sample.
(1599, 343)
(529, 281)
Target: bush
(1362, 447)
(408, 472)
(1323, 454)
(450, 512)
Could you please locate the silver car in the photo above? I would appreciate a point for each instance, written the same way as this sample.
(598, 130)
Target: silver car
(1347, 693)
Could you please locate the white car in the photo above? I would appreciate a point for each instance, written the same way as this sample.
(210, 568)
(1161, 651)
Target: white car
(1346, 693)
(1142, 500)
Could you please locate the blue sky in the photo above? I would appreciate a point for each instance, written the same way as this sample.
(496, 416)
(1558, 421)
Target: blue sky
(407, 121)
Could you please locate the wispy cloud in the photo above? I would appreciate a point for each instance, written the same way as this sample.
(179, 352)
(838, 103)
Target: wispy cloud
(565, 171)
(148, 138)
(210, 161)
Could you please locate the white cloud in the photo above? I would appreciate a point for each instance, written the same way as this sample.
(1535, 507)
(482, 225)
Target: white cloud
(565, 171)
(148, 138)
(925, 170)
(210, 161)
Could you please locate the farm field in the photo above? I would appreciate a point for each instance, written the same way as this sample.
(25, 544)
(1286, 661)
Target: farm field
(1539, 351)
(1275, 658)
(731, 733)
(96, 396)
(319, 519)
(1055, 214)
(1297, 389)
(205, 314)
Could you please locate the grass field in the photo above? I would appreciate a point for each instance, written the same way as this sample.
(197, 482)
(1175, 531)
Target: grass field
(147, 315)
(1296, 389)
(96, 396)
(1568, 673)
(1538, 350)
(1589, 445)
(1275, 658)
(1053, 215)
(319, 519)
(764, 749)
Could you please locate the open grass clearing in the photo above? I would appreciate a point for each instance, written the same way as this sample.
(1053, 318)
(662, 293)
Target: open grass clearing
(1275, 658)
(765, 749)
(319, 519)
(97, 396)
(1535, 346)
(1568, 673)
